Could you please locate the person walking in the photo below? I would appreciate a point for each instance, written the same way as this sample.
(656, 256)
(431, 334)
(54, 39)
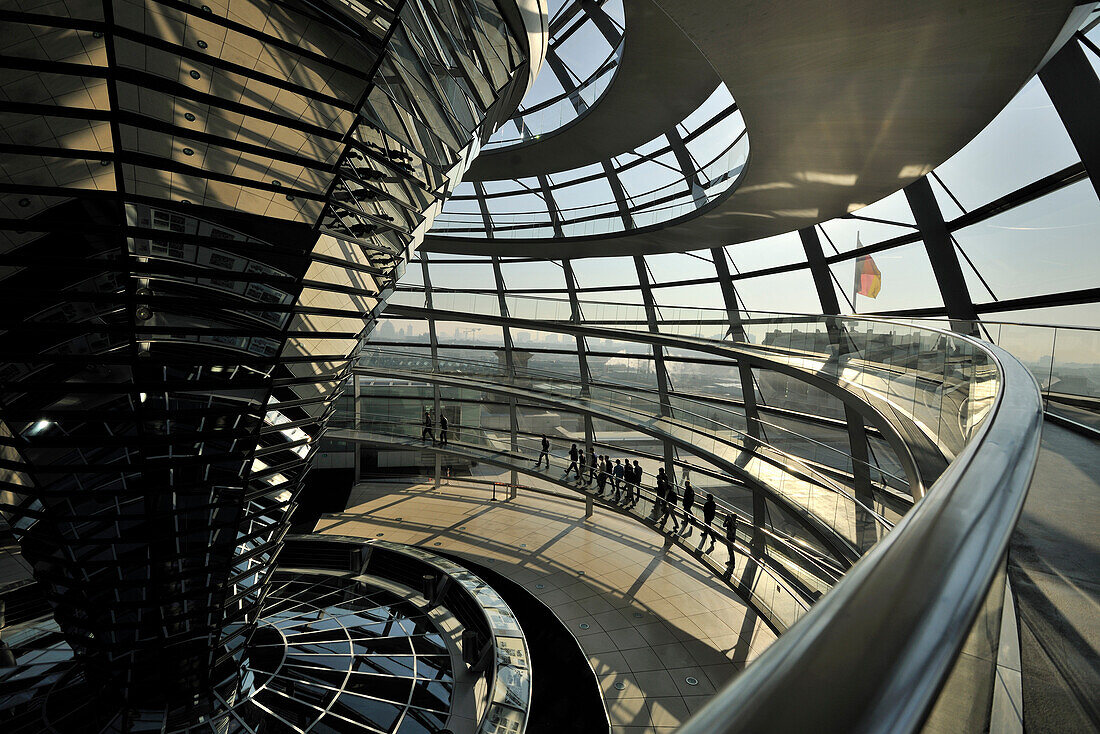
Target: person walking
(591, 468)
(442, 428)
(601, 476)
(572, 461)
(670, 507)
(689, 501)
(617, 477)
(635, 493)
(659, 503)
(708, 523)
(731, 534)
(429, 428)
(580, 467)
(544, 454)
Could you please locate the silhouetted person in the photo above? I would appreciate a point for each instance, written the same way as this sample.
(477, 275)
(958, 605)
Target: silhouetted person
(708, 522)
(591, 468)
(572, 461)
(669, 508)
(635, 491)
(580, 466)
(689, 500)
(544, 454)
(731, 533)
(442, 428)
(659, 500)
(429, 428)
(617, 477)
(601, 475)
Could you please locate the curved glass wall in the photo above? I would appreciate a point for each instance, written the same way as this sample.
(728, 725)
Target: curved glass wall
(586, 45)
(1018, 224)
(671, 176)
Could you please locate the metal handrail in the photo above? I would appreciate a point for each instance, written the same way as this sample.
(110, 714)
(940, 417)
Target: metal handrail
(458, 444)
(794, 465)
(894, 625)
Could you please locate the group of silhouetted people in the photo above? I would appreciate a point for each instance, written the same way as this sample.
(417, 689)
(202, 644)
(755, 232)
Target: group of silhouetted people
(428, 434)
(621, 481)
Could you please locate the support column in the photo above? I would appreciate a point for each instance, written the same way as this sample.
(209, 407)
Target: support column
(866, 526)
(748, 395)
(619, 193)
(942, 257)
(509, 361)
(819, 269)
(355, 423)
(658, 359)
(576, 317)
(687, 166)
(759, 517)
(1075, 91)
(737, 331)
(433, 340)
(857, 433)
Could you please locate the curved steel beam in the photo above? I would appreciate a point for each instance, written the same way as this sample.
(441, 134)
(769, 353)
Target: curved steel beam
(845, 103)
(662, 78)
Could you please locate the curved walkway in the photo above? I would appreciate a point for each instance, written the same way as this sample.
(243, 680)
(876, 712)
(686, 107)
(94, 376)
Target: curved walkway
(824, 509)
(652, 617)
(1054, 566)
(781, 579)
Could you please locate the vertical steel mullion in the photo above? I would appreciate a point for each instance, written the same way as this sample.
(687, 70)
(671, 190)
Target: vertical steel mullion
(942, 257)
(748, 392)
(737, 330)
(658, 358)
(582, 352)
(577, 317)
(819, 269)
(1075, 91)
(509, 361)
(433, 339)
(551, 205)
(866, 526)
(603, 22)
(687, 167)
(619, 192)
(561, 72)
(483, 207)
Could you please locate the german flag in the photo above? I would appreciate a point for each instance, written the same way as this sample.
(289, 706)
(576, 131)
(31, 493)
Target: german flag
(868, 278)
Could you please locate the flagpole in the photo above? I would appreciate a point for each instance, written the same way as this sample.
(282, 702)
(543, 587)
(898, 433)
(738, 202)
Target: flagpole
(855, 278)
(855, 287)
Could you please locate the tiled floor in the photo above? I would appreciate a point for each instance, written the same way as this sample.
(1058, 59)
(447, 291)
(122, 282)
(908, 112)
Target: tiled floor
(648, 616)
